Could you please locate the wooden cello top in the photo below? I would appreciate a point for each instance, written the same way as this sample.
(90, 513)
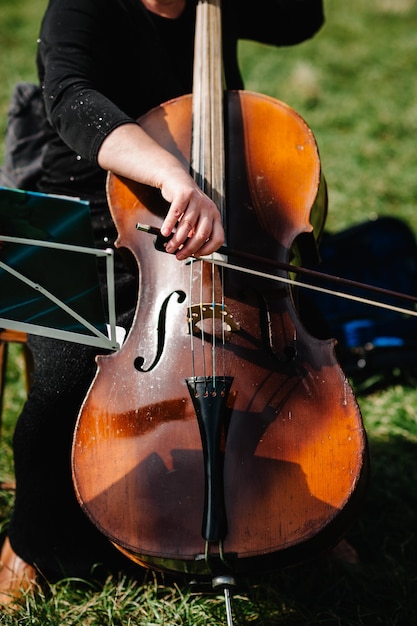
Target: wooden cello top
(222, 437)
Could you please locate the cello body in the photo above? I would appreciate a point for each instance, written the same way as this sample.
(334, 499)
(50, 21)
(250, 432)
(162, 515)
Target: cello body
(254, 458)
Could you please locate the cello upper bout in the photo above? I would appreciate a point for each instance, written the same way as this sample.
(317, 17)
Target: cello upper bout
(281, 159)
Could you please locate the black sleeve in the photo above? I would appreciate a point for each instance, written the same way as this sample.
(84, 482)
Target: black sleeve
(275, 22)
(72, 70)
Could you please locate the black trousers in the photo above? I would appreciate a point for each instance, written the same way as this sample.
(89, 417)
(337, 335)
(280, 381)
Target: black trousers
(47, 527)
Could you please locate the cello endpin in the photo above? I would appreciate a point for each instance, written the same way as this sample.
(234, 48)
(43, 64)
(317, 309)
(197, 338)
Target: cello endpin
(225, 582)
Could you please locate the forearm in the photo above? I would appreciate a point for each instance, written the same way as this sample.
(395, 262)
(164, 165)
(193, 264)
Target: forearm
(130, 152)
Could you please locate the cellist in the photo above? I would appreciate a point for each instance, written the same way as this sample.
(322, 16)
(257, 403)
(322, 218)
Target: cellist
(102, 64)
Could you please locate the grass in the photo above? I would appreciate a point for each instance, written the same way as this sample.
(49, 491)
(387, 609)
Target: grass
(355, 85)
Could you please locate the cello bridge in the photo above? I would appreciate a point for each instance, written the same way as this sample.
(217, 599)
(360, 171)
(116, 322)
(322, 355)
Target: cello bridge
(211, 318)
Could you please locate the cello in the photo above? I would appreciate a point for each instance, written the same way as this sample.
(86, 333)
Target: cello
(222, 438)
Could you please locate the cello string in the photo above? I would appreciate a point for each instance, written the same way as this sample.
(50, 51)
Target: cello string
(190, 322)
(203, 140)
(213, 325)
(217, 151)
(212, 177)
(207, 154)
(223, 326)
(202, 331)
(212, 121)
(198, 148)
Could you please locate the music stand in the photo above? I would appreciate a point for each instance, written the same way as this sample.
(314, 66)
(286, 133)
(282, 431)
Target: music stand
(49, 282)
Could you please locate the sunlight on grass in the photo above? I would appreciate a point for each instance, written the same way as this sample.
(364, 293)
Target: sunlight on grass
(355, 86)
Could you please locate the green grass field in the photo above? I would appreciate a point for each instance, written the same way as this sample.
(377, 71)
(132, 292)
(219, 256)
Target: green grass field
(355, 85)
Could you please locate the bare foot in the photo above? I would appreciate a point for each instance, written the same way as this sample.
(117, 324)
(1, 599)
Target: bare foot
(16, 576)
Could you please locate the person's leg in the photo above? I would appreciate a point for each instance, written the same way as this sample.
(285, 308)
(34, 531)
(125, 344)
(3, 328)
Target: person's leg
(48, 529)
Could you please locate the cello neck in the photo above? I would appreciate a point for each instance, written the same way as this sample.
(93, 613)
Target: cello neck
(207, 149)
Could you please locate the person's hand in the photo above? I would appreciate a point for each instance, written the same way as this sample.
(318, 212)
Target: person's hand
(193, 219)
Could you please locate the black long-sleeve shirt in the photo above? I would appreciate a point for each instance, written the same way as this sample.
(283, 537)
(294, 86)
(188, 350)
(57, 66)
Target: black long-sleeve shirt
(103, 63)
